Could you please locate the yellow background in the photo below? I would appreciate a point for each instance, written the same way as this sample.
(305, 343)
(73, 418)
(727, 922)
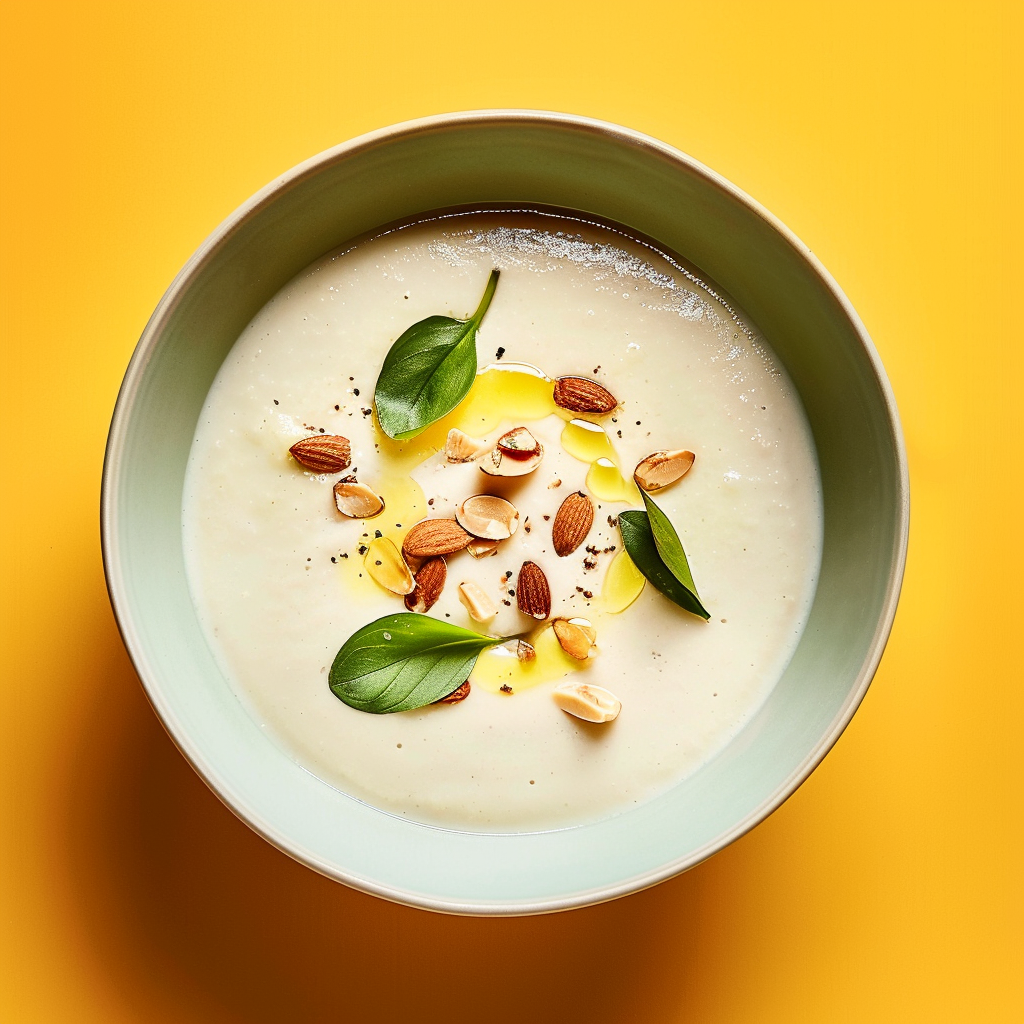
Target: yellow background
(888, 136)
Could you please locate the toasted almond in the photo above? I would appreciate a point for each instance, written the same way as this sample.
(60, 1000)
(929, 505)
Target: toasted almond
(573, 520)
(357, 501)
(431, 537)
(518, 443)
(460, 447)
(533, 595)
(590, 703)
(576, 637)
(430, 578)
(323, 453)
(497, 463)
(488, 517)
(482, 548)
(477, 602)
(580, 394)
(663, 468)
(460, 693)
(386, 566)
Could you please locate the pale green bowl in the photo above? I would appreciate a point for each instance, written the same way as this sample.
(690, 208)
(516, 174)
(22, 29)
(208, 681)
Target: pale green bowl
(529, 158)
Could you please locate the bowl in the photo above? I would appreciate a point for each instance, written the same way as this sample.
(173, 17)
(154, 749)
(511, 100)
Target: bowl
(531, 158)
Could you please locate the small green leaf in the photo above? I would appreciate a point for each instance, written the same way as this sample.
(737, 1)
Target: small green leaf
(404, 661)
(429, 370)
(640, 540)
(669, 546)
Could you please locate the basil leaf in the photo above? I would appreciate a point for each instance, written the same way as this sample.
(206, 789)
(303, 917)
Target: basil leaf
(640, 540)
(670, 548)
(429, 370)
(404, 661)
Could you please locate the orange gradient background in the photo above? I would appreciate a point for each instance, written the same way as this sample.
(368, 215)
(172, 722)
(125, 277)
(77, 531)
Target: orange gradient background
(888, 136)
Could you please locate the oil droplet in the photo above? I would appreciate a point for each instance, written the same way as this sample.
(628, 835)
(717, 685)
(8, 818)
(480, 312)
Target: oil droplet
(589, 442)
(623, 583)
(499, 666)
(605, 481)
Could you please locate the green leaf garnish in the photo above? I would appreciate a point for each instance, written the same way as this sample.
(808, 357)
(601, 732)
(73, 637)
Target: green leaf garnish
(429, 370)
(654, 546)
(404, 661)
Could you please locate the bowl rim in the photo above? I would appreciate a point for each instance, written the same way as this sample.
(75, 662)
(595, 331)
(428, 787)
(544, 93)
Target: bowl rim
(109, 518)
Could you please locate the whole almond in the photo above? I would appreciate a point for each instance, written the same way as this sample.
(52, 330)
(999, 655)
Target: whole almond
(573, 520)
(323, 453)
(660, 469)
(580, 394)
(533, 595)
(460, 693)
(431, 537)
(430, 578)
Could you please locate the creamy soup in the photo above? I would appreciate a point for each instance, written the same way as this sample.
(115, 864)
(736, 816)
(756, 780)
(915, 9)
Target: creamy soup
(280, 577)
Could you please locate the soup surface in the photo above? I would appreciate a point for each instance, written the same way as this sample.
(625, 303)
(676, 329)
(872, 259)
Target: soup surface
(280, 577)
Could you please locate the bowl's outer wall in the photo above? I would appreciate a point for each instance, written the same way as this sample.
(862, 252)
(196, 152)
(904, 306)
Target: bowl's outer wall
(527, 159)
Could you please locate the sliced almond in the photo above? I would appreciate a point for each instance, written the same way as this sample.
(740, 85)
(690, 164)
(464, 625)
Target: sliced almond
(482, 548)
(459, 694)
(573, 520)
(590, 703)
(488, 517)
(477, 602)
(496, 463)
(580, 394)
(431, 537)
(386, 566)
(533, 595)
(576, 637)
(430, 579)
(663, 468)
(518, 443)
(460, 447)
(323, 453)
(357, 501)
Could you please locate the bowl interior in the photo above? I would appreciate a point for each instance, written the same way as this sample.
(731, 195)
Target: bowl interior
(530, 159)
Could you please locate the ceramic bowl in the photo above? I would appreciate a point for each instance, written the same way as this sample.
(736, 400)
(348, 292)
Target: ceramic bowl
(535, 159)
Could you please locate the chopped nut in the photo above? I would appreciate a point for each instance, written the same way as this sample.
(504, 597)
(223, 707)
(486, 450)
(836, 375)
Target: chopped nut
(660, 469)
(488, 517)
(576, 637)
(323, 453)
(518, 443)
(386, 566)
(533, 595)
(459, 694)
(525, 651)
(357, 501)
(580, 394)
(476, 602)
(431, 537)
(590, 703)
(430, 579)
(572, 523)
(498, 462)
(460, 447)
(482, 548)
